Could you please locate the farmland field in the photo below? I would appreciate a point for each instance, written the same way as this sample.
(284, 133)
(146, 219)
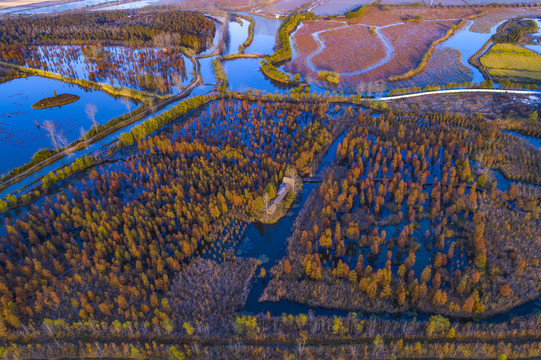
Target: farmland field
(366, 54)
(509, 56)
(304, 43)
(516, 74)
(508, 60)
(335, 7)
(443, 67)
(345, 56)
(8, 4)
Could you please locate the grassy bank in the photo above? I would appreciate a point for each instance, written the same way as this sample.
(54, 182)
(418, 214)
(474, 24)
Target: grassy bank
(221, 75)
(250, 39)
(284, 51)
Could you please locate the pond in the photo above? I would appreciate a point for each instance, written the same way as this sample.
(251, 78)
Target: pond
(244, 74)
(131, 5)
(268, 242)
(265, 31)
(21, 127)
(529, 139)
(469, 42)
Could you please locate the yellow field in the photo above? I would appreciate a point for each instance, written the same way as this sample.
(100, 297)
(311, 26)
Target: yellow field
(534, 75)
(506, 60)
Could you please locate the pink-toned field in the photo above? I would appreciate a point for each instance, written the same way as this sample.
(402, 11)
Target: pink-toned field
(4, 4)
(347, 56)
(355, 49)
(410, 42)
(304, 44)
(445, 66)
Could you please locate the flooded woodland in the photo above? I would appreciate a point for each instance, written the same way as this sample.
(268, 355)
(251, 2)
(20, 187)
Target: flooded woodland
(238, 181)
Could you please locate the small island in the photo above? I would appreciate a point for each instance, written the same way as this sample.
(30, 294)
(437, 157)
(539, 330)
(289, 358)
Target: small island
(56, 100)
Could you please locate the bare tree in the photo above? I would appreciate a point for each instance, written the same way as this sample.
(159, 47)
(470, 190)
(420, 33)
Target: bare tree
(301, 345)
(292, 173)
(63, 143)
(360, 88)
(50, 127)
(266, 200)
(91, 111)
(177, 81)
(369, 89)
(127, 104)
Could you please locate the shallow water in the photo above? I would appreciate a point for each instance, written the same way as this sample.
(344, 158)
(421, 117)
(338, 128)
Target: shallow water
(71, 61)
(529, 139)
(237, 36)
(269, 243)
(13, 189)
(244, 74)
(468, 43)
(21, 132)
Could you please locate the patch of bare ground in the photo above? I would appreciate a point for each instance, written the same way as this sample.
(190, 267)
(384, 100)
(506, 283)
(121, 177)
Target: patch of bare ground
(210, 290)
(490, 106)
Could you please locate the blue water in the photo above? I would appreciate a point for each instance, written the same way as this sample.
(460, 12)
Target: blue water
(237, 36)
(264, 35)
(31, 179)
(21, 134)
(244, 74)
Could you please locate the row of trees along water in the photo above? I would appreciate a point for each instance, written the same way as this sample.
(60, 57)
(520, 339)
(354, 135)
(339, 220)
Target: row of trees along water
(80, 46)
(412, 218)
(192, 29)
(159, 68)
(110, 242)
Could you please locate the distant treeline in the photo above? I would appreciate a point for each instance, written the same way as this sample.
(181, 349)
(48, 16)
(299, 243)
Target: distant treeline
(192, 29)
